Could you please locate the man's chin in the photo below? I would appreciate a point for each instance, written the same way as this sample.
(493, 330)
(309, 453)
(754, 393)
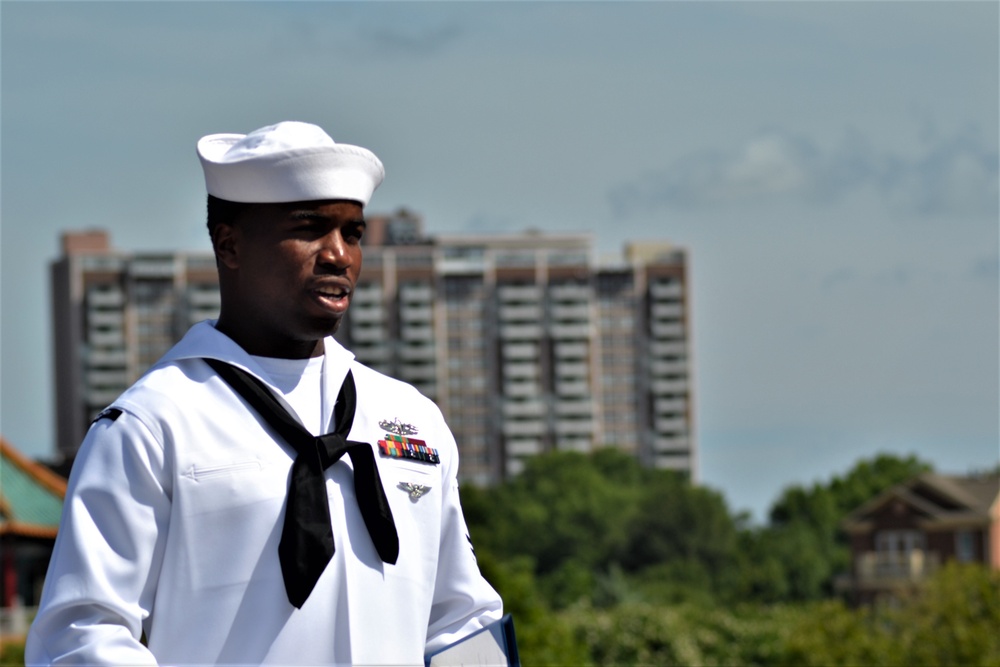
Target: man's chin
(325, 326)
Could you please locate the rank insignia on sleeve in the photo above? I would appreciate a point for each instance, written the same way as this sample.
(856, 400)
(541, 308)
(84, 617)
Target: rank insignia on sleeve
(400, 447)
(397, 427)
(416, 491)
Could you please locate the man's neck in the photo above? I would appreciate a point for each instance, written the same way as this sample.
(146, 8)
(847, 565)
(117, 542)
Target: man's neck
(265, 346)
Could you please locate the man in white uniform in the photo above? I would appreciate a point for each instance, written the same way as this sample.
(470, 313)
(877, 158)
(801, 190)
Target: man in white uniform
(259, 497)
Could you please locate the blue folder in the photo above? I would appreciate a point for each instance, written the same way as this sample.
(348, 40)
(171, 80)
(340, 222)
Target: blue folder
(491, 646)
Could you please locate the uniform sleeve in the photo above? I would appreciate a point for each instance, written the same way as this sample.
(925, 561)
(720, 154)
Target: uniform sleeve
(102, 577)
(463, 600)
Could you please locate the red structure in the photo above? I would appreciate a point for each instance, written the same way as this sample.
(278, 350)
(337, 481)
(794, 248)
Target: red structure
(31, 498)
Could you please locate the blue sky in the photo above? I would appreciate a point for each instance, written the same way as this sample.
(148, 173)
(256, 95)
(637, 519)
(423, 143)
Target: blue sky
(831, 167)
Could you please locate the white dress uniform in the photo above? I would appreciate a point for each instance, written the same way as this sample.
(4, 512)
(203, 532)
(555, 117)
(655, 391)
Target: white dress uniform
(174, 512)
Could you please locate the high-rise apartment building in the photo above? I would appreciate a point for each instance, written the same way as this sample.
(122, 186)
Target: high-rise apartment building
(526, 342)
(529, 345)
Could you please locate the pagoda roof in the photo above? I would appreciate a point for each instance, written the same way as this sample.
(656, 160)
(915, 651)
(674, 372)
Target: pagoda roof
(31, 495)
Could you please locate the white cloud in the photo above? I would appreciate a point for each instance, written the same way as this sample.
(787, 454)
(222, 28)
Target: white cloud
(953, 175)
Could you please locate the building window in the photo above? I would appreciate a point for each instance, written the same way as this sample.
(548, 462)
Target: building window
(899, 543)
(965, 546)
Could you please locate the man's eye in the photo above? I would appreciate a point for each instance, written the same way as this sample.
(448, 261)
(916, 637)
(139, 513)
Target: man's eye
(304, 226)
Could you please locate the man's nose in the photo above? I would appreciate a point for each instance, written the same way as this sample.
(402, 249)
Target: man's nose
(334, 251)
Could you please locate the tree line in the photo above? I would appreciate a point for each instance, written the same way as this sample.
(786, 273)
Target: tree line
(605, 562)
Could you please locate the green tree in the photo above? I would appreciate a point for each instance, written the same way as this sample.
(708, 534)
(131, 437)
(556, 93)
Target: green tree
(804, 533)
(563, 507)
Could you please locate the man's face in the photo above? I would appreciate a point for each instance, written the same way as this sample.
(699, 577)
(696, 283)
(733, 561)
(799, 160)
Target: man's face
(294, 268)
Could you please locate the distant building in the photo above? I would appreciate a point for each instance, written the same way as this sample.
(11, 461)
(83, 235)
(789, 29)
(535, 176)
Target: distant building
(908, 532)
(31, 499)
(525, 341)
(530, 345)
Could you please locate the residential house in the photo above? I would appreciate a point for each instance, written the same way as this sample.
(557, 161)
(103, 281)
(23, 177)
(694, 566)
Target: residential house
(903, 535)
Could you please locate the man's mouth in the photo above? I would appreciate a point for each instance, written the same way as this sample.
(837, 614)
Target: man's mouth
(333, 297)
(333, 292)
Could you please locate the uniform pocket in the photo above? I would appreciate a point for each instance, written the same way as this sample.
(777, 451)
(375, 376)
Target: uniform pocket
(230, 519)
(203, 472)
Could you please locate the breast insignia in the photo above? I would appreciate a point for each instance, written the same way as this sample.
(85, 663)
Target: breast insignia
(397, 427)
(416, 491)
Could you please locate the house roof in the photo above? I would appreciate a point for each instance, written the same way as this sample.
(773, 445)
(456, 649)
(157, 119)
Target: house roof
(938, 498)
(31, 495)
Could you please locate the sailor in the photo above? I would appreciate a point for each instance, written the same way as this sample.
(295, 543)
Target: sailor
(259, 496)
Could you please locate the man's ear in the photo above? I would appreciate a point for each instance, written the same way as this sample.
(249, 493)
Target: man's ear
(225, 242)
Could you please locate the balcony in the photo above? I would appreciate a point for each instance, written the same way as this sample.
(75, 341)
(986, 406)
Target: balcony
(417, 333)
(574, 427)
(667, 311)
(418, 372)
(521, 390)
(569, 292)
(101, 398)
(674, 349)
(666, 406)
(509, 293)
(461, 265)
(149, 267)
(204, 297)
(106, 339)
(584, 408)
(520, 313)
(670, 290)
(570, 331)
(671, 425)
(669, 387)
(570, 351)
(372, 354)
(112, 298)
(105, 319)
(579, 312)
(520, 352)
(660, 368)
(672, 461)
(671, 445)
(532, 408)
(668, 331)
(520, 371)
(523, 447)
(368, 334)
(366, 295)
(105, 379)
(880, 569)
(520, 332)
(523, 428)
(411, 313)
(571, 370)
(416, 293)
(575, 444)
(106, 358)
(417, 353)
(366, 314)
(572, 388)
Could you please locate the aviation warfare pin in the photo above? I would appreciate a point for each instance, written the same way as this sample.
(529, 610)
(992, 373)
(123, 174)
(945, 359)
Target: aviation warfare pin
(414, 490)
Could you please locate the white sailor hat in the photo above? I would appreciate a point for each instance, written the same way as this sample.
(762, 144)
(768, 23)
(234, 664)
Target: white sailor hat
(286, 162)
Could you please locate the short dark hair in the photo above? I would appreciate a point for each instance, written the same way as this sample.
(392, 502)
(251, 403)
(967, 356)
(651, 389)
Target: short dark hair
(222, 211)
